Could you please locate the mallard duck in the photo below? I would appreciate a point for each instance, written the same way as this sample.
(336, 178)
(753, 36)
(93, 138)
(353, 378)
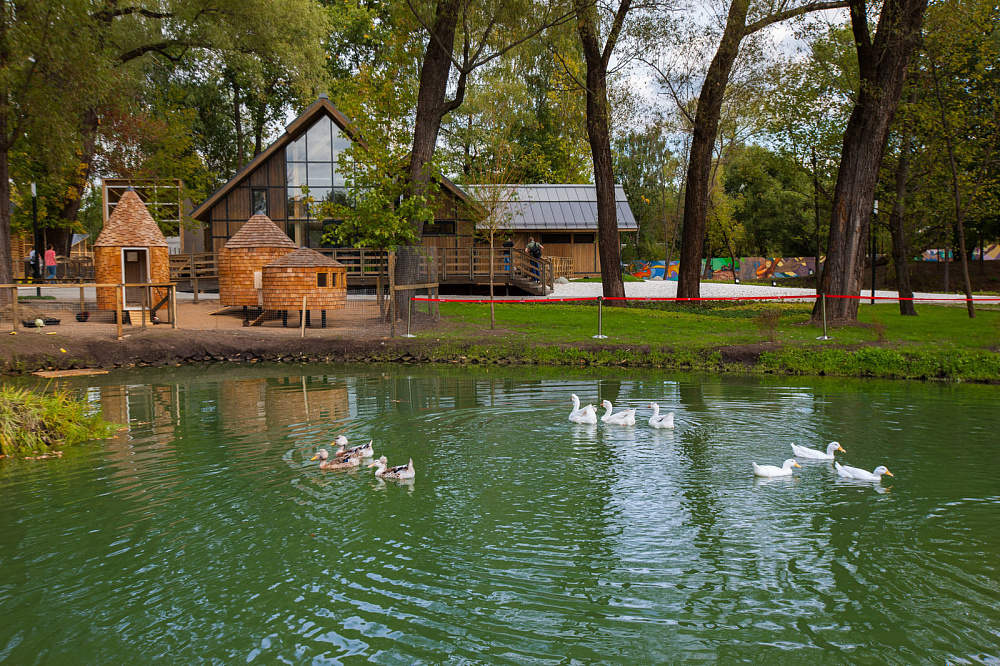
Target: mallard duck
(363, 451)
(771, 470)
(587, 414)
(400, 472)
(862, 475)
(342, 462)
(813, 454)
(657, 421)
(626, 418)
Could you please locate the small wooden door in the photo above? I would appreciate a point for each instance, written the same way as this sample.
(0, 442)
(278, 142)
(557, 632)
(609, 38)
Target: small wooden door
(135, 270)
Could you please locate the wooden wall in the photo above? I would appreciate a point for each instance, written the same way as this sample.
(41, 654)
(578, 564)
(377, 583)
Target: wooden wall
(233, 210)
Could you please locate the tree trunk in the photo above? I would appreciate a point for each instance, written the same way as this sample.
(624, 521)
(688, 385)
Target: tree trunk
(599, 134)
(706, 127)
(79, 180)
(238, 122)
(434, 73)
(882, 66)
(900, 249)
(6, 267)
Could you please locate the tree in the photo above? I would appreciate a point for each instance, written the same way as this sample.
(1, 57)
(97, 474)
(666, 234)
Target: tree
(495, 178)
(740, 22)
(46, 71)
(882, 63)
(382, 213)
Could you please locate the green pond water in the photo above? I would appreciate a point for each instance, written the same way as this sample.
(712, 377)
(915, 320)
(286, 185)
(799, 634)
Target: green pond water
(203, 534)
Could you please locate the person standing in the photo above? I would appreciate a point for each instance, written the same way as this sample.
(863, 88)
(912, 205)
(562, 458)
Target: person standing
(50, 262)
(535, 250)
(507, 246)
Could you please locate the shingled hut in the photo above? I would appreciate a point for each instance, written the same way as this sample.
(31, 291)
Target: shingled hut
(132, 250)
(307, 273)
(242, 260)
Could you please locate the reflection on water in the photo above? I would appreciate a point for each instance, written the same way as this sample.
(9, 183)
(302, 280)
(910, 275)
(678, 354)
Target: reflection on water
(205, 534)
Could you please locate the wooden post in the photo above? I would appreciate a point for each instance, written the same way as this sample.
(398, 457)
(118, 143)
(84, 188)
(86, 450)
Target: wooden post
(13, 305)
(83, 302)
(194, 277)
(119, 306)
(144, 310)
(392, 294)
(173, 306)
(302, 318)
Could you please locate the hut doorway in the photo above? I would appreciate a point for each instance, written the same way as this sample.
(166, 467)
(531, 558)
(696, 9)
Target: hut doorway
(135, 270)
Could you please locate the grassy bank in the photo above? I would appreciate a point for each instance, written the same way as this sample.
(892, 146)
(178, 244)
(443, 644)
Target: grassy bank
(941, 343)
(34, 423)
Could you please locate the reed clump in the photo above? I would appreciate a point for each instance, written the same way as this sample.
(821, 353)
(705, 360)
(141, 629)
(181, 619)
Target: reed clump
(39, 423)
(767, 323)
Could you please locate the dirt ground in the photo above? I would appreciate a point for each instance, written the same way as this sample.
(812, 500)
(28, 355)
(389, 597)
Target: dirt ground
(205, 334)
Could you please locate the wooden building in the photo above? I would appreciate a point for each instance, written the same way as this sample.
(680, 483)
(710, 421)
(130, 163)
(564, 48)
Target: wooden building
(130, 249)
(309, 156)
(242, 260)
(563, 218)
(304, 273)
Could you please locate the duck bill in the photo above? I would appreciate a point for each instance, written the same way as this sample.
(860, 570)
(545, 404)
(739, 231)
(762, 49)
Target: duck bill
(842, 449)
(314, 457)
(798, 465)
(372, 464)
(888, 473)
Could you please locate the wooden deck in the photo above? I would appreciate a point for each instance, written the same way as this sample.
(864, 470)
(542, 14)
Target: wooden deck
(444, 265)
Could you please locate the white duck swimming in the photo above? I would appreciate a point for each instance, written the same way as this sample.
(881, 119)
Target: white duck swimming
(363, 451)
(862, 475)
(771, 470)
(657, 421)
(626, 418)
(399, 472)
(813, 454)
(586, 415)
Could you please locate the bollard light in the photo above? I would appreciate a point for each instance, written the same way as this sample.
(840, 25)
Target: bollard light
(737, 280)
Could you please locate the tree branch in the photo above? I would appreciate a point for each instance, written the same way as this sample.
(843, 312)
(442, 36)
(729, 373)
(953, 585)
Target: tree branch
(778, 17)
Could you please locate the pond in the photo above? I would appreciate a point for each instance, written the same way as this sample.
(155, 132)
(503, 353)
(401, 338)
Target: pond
(205, 534)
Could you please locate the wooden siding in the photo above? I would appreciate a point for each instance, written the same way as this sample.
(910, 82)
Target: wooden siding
(233, 210)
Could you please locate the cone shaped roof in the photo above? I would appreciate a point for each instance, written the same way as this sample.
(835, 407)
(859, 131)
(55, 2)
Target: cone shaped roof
(130, 225)
(260, 231)
(304, 257)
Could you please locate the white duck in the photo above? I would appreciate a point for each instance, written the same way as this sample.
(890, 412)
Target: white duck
(862, 475)
(626, 418)
(399, 472)
(657, 421)
(586, 415)
(813, 454)
(771, 470)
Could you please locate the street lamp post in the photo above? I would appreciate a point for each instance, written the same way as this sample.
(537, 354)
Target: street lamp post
(35, 270)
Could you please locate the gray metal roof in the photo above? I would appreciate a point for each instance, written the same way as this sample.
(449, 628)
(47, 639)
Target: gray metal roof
(560, 207)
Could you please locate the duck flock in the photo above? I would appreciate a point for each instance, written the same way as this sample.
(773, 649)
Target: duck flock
(587, 415)
(347, 457)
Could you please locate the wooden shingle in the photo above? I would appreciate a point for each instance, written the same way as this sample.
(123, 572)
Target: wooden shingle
(130, 225)
(260, 231)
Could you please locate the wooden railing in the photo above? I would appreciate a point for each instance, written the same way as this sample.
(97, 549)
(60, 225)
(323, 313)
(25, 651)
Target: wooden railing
(359, 262)
(511, 265)
(562, 267)
(188, 266)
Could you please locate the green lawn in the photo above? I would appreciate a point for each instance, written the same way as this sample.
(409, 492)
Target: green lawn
(941, 342)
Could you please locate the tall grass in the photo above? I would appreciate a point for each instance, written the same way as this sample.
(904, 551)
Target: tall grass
(40, 422)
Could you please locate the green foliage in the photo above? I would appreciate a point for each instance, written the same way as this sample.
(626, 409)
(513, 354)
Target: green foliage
(40, 422)
(772, 201)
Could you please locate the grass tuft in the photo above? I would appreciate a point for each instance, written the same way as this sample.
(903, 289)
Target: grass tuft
(32, 423)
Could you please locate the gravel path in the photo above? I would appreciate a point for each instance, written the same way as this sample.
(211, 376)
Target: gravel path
(661, 289)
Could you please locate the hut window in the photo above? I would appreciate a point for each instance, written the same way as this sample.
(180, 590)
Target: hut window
(258, 280)
(321, 279)
(556, 238)
(583, 238)
(258, 201)
(131, 256)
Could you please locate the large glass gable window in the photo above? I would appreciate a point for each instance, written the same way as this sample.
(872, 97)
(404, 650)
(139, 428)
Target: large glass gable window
(316, 164)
